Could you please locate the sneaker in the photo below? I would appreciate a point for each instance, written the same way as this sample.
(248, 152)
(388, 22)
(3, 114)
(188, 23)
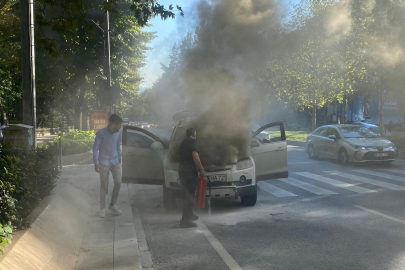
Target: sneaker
(194, 218)
(187, 224)
(116, 210)
(102, 213)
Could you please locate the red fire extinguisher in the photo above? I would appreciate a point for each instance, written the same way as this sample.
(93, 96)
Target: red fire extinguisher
(201, 190)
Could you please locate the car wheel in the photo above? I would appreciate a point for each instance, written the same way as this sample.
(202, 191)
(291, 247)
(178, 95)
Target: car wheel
(169, 199)
(311, 152)
(249, 200)
(343, 156)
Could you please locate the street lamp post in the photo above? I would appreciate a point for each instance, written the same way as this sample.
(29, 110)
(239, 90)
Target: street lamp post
(108, 55)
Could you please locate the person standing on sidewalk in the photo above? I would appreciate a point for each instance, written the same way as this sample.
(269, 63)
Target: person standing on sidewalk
(107, 157)
(189, 166)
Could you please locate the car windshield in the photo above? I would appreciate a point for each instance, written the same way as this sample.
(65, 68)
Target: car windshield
(356, 132)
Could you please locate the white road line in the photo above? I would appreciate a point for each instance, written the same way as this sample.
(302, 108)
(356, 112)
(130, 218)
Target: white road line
(381, 214)
(366, 180)
(395, 171)
(306, 186)
(351, 187)
(302, 162)
(276, 191)
(383, 175)
(232, 264)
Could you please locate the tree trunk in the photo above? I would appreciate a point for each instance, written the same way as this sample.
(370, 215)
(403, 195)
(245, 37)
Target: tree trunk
(313, 118)
(382, 124)
(344, 110)
(78, 109)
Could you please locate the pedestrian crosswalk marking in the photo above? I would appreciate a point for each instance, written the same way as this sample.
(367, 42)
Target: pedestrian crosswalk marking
(383, 175)
(306, 186)
(395, 171)
(276, 191)
(351, 187)
(366, 180)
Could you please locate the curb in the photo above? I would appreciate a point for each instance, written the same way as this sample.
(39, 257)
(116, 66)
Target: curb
(296, 143)
(144, 252)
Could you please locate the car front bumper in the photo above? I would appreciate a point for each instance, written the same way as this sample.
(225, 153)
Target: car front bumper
(374, 155)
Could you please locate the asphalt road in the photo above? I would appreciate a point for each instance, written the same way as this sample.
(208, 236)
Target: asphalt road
(324, 216)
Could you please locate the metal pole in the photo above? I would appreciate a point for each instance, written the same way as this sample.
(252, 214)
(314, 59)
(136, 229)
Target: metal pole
(28, 65)
(107, 37)
(60, 152)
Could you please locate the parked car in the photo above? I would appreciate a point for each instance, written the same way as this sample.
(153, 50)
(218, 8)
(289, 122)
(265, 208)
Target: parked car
(371, 127)
(145, 161)
(350, 143)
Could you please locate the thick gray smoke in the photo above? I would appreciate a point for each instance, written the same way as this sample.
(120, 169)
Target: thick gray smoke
(214, 76)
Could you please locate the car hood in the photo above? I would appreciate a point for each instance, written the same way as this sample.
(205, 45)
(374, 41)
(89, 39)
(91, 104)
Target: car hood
(369, 141)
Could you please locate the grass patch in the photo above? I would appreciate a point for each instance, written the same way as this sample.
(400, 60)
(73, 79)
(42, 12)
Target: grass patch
(300, 136)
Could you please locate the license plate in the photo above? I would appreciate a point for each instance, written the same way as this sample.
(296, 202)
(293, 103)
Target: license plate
(381, 155)
(217, 178)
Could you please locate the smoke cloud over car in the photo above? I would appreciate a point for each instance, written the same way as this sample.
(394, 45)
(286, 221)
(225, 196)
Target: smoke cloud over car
(213, 75)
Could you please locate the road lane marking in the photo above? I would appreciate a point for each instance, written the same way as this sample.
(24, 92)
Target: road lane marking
(383, 175)
(306, 186)
(302, 162)
(276, 191)
(395, 171)
(351, 187)
(366, 180)
(232, 264)
(381, 214)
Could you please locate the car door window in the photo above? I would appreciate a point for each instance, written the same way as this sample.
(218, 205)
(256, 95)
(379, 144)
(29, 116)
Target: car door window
(138, 140)
(269, 135)
(270, 155)
(333, 131)
(324, 132)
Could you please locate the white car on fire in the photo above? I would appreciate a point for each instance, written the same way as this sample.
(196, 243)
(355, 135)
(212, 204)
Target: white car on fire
(145, 161)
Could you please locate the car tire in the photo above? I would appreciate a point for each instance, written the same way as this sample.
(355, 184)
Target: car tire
(343, 156)
(249, 200)
(169, 199)
(311, 152)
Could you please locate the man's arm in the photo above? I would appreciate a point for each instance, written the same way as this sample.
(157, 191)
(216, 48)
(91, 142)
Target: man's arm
(197, 162)
(96, 148)
(119, 147)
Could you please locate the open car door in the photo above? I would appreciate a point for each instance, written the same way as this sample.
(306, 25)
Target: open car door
(142, 157)
(270, 155)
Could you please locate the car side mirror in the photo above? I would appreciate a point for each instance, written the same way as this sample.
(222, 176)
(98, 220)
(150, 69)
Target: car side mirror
(332, 137)
(157, 146)
(254, 143)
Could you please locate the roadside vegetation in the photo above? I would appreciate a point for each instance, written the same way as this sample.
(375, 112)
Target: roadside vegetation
(74, 142)
(300, 136)
(26, 177)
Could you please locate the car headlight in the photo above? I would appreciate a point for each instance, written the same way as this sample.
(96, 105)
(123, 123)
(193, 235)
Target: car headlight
(358, 147)
(244, 164)
(392, 146)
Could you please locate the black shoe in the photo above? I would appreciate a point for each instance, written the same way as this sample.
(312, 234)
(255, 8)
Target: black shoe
(194, 218)
(187, 224)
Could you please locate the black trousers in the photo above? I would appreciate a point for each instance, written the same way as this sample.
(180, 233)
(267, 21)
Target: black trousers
(188, 179)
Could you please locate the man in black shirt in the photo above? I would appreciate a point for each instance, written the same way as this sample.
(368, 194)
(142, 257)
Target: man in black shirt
(190, 164)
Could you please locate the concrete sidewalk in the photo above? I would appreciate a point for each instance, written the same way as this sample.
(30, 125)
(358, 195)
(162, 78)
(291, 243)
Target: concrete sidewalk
(68, 234)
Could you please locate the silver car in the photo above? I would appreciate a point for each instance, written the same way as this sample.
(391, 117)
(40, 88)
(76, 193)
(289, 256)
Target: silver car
(350, 143)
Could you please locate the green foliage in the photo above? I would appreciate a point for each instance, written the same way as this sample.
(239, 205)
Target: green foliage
(74, 142)
(6, 235)
(26, 176)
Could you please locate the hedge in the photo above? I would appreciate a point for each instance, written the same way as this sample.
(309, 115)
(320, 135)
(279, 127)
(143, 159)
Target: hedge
(26, 177)
(74, 142)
